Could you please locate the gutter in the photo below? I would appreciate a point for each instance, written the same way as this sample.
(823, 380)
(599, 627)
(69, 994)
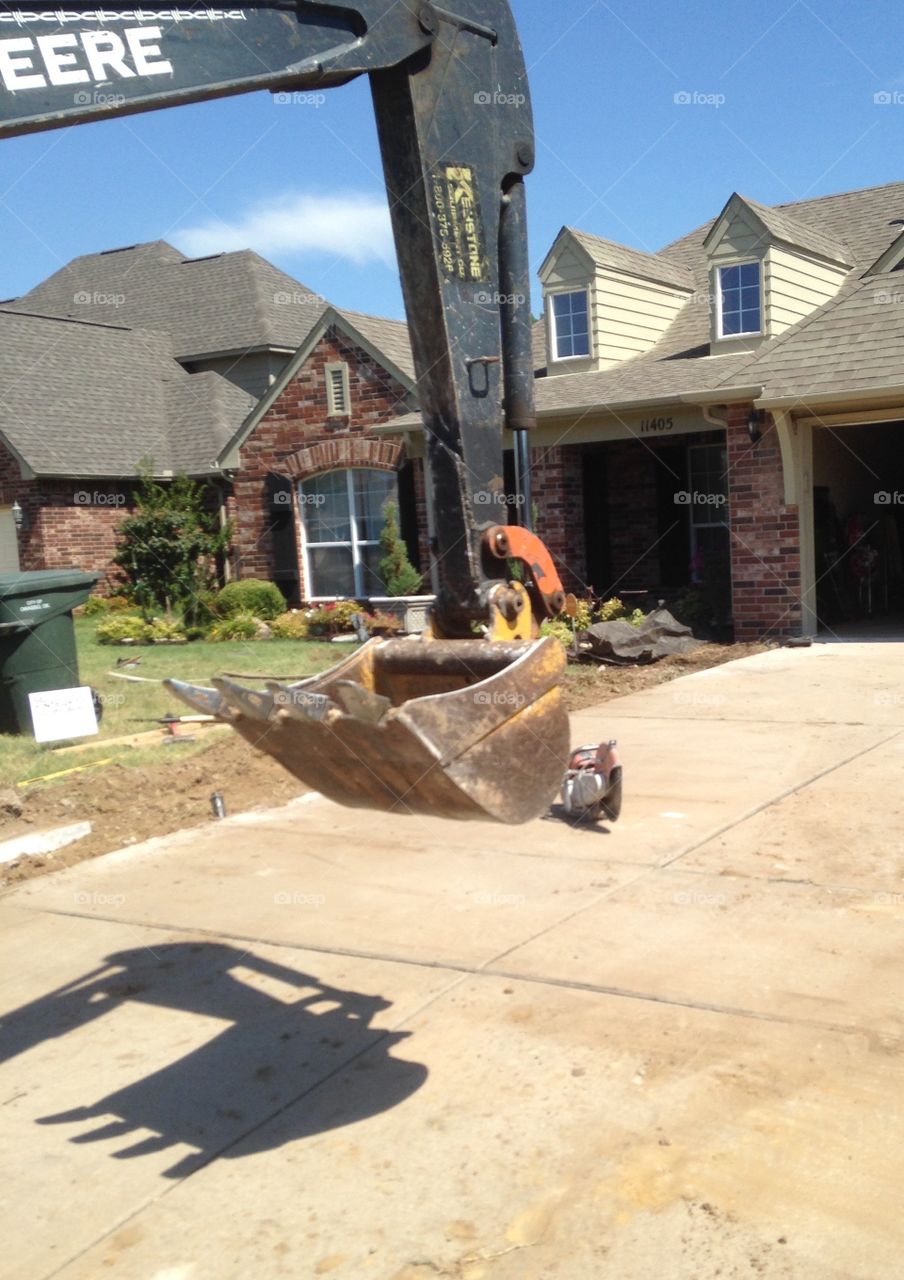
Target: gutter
(869, 394)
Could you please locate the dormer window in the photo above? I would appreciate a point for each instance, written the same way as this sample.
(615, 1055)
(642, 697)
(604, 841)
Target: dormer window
(570, 314)
(739, 300)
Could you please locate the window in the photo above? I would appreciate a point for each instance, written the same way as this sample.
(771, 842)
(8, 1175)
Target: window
(739, 300)
(570, 325)
(341, 516)
(708, 485)
(338, 401)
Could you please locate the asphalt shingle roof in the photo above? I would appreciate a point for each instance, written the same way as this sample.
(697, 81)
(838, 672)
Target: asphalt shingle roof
(225, 303)
(110, 397)
(648, 266)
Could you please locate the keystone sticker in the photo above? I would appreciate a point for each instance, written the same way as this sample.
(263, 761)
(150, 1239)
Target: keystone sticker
(459, 226)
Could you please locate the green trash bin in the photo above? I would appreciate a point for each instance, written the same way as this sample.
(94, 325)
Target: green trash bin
(37, 638)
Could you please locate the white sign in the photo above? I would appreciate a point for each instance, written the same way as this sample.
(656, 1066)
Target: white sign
(62, 713)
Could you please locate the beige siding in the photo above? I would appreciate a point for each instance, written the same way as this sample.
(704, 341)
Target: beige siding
(796, 286)
(627, 315)
(741, 240)
(569, 268)
(254, 373)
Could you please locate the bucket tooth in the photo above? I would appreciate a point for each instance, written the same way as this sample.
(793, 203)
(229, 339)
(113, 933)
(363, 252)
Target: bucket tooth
(248, 702)
(300, 703)
(207, 701)
(361, 702)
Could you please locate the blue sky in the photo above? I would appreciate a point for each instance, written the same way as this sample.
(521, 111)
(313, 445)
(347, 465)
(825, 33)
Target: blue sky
(648, 115)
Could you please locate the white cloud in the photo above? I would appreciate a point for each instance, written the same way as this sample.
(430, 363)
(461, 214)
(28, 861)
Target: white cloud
(353, 225)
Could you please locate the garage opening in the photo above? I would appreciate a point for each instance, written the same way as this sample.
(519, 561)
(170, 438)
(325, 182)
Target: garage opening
(858, 517)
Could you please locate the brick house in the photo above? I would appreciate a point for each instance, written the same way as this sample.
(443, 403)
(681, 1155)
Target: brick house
(726, 413)
(719, 416)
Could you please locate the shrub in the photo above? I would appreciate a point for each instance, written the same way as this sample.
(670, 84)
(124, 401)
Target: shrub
(238, 626)
(251, 595)
(400, 578)
(386, 624)
(333, 619)
(560, 628)
(96, 605)
(583, 615)
(290, 626)
(169, 546)
(611, 610)
(166, 631)
(120, 628)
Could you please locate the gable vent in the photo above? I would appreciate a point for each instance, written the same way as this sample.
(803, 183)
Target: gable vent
(338, 399)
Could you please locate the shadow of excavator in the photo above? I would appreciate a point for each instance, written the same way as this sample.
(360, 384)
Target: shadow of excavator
(273, 1062)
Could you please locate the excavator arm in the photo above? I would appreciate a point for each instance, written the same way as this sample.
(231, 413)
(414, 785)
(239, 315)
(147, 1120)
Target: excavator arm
(451, 723)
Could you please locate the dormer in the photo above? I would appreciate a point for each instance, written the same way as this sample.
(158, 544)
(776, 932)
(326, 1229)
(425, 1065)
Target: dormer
(768, 270)
(605, 303)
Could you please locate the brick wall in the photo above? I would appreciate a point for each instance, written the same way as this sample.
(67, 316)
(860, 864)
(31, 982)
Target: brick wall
(297, 438)
(68, 523)
(558, 496)
(765, 536)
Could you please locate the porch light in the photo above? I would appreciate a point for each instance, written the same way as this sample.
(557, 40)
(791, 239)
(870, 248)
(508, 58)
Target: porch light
(755, 420)
(19, 517)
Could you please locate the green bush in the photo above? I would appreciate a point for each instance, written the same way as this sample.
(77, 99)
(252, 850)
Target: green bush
(399, 575)
(382, 624)
(611, 610)
(263, 600)
(119, 628)
(333, 619)
(166, 631)
(290, 626)
(96, 605)
(238, 626)
(560, 628)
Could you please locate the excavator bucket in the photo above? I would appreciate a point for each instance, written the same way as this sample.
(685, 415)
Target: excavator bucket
(458, 729)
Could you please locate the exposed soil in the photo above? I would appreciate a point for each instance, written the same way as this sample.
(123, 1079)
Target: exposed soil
(127, 805)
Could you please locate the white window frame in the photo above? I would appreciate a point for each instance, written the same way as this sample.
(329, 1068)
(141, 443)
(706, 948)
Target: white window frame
(717, 291)
(551, 321)
(353, 541)
(331, 408)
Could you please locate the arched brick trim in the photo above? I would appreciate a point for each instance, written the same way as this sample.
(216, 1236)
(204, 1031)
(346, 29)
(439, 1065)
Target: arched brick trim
(338, 455)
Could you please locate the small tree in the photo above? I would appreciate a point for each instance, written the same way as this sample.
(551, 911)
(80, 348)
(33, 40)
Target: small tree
(169, 545)
(399, 575)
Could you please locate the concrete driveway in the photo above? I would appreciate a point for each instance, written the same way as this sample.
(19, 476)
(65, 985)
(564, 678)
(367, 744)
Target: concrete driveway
(319, 1042)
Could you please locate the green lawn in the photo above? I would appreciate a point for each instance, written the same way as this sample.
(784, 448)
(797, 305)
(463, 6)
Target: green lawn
(131, 707)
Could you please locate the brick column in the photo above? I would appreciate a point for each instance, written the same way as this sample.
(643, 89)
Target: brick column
(765, 535)
(559, 499)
